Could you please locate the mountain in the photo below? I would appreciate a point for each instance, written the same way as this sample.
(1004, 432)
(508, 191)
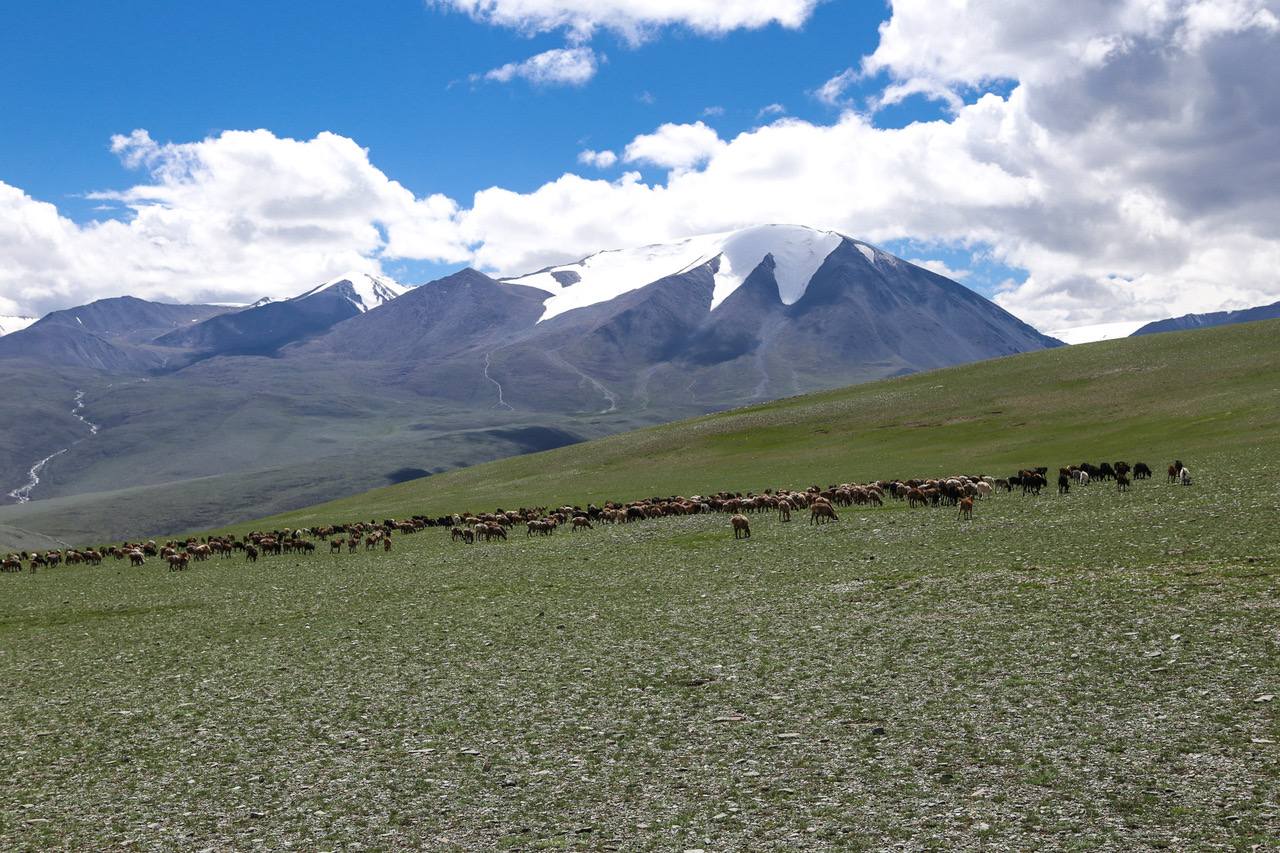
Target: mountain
(266, 326)
(704, 324)
(1218, 318)
(108, 335)
(239, 413)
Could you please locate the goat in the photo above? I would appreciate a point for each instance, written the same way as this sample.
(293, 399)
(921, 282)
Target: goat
(741, 526)
(822, 511)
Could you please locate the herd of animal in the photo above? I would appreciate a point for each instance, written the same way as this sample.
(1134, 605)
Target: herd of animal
(960, 492)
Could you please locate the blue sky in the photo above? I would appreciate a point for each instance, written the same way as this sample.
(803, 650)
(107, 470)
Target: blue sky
(1078, 162)
(394, 76)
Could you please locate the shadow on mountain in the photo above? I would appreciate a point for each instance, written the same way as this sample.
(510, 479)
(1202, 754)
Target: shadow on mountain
(404, 475)
(535, 439)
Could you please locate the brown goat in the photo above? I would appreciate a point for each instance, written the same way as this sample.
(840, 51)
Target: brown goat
(822, 511)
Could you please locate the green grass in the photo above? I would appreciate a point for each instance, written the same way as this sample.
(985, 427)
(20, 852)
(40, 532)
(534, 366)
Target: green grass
(1151, 398)
(1064, 672)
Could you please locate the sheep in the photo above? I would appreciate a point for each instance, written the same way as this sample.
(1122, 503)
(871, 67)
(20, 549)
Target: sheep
(741, 526)
(966, 508)
(1184, 476)
(580, 521)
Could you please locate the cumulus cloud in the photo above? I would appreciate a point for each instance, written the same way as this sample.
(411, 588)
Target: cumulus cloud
(675, 146)
(634, 20)
(234, 217)
(573, 66)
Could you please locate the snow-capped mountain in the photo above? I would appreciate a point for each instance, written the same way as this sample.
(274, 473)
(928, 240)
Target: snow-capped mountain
(14, 324)
(124, 333)
(363, 290)
(797, 254)
(701, 324)
(264, 327)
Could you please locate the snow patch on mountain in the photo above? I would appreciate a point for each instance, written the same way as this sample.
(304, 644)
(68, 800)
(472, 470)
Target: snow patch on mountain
(362, 290)
(797, 253)
(8, 325)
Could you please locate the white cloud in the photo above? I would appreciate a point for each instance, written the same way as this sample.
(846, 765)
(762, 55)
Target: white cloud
(634, 20)
(233, 217)
(675, 146)
(832, 92)
(941, 268)
(573, 66)
(599, 159)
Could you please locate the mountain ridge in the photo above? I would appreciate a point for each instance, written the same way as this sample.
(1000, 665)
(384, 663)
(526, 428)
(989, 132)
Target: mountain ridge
(470, 368)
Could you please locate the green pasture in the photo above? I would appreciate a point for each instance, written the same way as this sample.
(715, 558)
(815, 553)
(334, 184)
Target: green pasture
(1154, 398)
(1089, 671)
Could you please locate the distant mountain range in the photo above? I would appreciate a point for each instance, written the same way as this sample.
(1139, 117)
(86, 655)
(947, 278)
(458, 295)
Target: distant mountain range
(361, 381)
(1218, 318)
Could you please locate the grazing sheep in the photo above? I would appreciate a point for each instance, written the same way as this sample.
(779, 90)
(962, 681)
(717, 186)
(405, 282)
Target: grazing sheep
(1184, 476)
(741, 527)
(1122, 482)
(966, 508)
(822, 511)
(580, 522)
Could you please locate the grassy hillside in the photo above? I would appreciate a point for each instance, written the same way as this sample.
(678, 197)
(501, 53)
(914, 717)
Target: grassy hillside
(1149, 399)
(1160, 395)
(1090, 671)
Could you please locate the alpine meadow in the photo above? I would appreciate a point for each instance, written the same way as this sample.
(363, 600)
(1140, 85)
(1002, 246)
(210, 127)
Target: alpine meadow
(1094, 668)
